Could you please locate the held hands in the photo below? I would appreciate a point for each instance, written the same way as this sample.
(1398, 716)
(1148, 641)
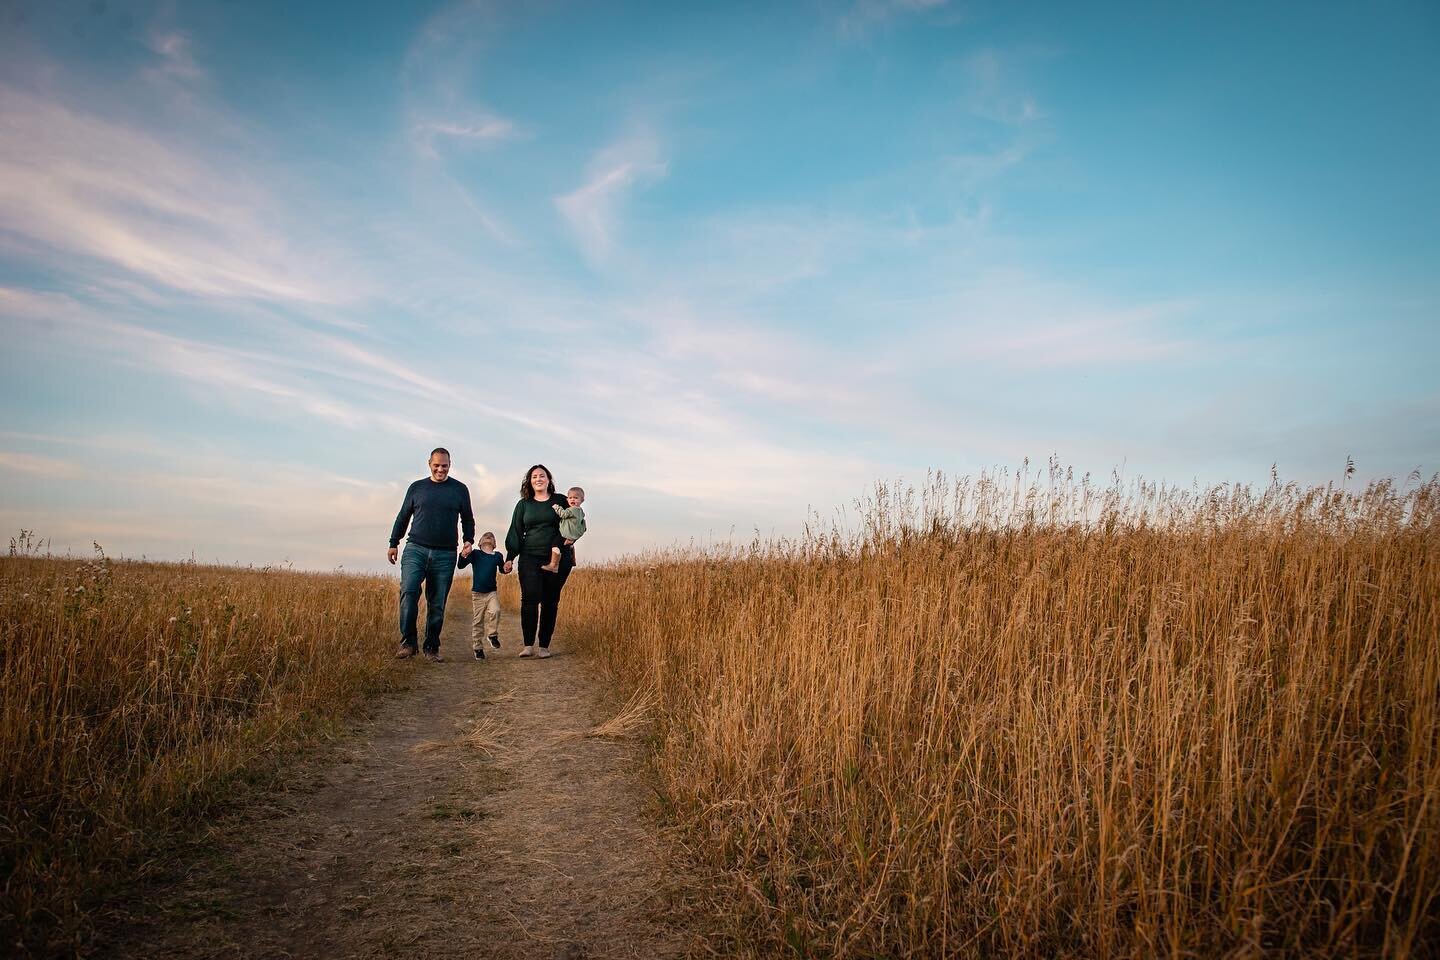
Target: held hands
(391, 554)
(465, 550)
(508, 565)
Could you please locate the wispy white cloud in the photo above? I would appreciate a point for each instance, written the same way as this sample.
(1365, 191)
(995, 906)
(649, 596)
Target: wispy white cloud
(593, 209)
(78, 185)
(304, 378)
(268, 510)
(484, 485)
(685, 444)
(173, 47)
(1016, 320)
(992, 91)
(441, 109)
(978, 168)
(479, 130)
(865, 15)
(38, 465)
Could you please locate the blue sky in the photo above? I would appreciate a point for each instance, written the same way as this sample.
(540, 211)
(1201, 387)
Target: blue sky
(718, 263)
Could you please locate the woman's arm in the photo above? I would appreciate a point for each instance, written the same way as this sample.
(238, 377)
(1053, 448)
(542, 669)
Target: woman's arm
(512, 539)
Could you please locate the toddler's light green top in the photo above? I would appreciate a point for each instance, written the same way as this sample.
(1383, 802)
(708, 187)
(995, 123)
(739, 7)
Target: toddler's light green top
(572, 522)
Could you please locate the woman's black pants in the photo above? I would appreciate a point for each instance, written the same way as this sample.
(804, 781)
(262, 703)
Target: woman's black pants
(539, 599)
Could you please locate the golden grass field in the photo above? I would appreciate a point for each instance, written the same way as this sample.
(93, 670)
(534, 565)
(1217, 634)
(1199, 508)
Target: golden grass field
(1026, 716)
(136, 695)
(1010, 716)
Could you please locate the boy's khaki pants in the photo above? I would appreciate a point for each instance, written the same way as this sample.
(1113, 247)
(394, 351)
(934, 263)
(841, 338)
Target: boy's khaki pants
(485, 617)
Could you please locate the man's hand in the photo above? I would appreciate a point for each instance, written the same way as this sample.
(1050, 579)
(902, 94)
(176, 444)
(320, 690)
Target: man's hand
(392, 553)
(506, 568)
(465, 550)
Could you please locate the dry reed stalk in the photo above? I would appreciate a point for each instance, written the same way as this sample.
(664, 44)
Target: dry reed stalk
(1026, 715)
(632, 718)
(486, 736)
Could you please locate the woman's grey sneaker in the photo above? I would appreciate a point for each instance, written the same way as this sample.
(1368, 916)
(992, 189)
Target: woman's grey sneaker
(495, 641)
(544, 652)
(527, 651)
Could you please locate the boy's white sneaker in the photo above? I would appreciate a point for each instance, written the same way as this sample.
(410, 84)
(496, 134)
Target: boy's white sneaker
(527, 651)
(544, 652)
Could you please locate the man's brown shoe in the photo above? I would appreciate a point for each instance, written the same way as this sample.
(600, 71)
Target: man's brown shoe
(434, 657)
(404, 653)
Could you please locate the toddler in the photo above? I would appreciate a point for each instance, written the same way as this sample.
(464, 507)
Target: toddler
(484, 595)
(572, 528)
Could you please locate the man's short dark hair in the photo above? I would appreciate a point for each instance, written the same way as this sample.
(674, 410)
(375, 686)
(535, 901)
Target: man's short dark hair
(435, 451)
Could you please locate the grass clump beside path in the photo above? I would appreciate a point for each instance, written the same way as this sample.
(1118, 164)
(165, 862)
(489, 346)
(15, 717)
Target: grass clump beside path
(137, 695)
(1026, 716)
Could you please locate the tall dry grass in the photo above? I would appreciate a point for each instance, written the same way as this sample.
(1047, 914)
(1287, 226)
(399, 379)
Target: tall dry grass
(1028, 716)
(137, 695)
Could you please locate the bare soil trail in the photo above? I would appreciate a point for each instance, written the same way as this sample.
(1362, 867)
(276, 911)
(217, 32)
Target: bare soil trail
(470, 816)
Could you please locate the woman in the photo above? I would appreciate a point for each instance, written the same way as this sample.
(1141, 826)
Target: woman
(533, 527)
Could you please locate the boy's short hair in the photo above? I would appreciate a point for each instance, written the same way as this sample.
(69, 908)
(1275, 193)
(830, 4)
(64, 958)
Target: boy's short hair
(487, 535)
(579, 490)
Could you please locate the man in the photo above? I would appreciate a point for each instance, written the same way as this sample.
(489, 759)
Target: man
(433, 503)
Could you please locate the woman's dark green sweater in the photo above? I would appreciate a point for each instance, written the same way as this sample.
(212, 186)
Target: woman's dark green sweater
(533, 527)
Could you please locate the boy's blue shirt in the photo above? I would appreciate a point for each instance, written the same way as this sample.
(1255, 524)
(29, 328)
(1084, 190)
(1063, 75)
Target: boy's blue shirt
(486, 565)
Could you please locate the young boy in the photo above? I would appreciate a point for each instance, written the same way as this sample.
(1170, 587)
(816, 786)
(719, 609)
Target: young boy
(484, 594)
(572, 528)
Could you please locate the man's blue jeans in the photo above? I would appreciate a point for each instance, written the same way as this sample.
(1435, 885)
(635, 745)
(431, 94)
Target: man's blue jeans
(435, 569)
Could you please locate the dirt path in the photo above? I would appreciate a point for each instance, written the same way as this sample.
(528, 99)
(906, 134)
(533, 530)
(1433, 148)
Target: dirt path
(470, 817)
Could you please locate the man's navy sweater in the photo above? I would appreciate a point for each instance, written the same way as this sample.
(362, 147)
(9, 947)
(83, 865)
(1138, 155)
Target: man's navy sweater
(434, 507)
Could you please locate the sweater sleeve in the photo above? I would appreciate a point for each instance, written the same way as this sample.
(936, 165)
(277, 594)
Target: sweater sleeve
(464, 561)
(467, 517)
(402, 519)
(512, 539)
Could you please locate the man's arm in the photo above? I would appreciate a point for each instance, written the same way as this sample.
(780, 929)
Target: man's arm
(402, 521)
(467, 520)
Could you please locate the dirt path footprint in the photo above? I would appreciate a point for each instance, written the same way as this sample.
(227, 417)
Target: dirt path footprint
(470, 817)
